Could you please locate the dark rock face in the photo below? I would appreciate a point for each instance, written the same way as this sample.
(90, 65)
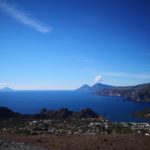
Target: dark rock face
(6, 113)
(88, 113)
(85, 113)
(65, 113)
(60, 114)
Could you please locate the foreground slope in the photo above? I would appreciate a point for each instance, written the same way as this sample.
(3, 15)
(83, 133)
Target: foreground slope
(82, 142)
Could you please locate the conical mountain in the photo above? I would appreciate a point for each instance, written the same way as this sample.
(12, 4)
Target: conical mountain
(84, 88)
(5, 89)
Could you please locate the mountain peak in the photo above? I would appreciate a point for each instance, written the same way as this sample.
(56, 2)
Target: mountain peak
(85, 85)
(100, 86)
(5, 89)
(97, 84)
(84, 88)
(96, 87)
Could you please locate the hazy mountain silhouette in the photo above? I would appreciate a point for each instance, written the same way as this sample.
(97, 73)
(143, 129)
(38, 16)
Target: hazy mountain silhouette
(6, 89)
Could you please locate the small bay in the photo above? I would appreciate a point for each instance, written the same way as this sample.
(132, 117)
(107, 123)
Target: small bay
(113, 108)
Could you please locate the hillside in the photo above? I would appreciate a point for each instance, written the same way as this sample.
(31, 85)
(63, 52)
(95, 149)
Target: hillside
(143, 113)
(84, 88)
(77, 142)
(6, 113)
(100, 86)
(136, 93)
(64, 113)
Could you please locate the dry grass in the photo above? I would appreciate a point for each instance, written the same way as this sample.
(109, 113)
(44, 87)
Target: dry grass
(83, 142)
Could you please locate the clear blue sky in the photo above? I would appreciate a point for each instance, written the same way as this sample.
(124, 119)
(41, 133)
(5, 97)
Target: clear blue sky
(62, 44)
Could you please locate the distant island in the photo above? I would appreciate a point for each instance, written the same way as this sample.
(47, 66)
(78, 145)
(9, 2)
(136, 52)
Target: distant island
(137, 93)
(96, 87)
(6, 89)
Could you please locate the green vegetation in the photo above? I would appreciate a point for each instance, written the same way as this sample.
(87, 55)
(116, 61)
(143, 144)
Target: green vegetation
(120, 129)
(143, 113)
(64, 121)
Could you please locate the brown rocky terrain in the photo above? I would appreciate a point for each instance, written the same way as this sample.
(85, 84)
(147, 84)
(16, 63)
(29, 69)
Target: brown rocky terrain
(82, 142)
(11, 145)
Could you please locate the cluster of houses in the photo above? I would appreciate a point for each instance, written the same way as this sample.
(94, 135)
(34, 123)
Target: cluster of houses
(71, 126)
(74, 126)
(137, 128)
(141, 128)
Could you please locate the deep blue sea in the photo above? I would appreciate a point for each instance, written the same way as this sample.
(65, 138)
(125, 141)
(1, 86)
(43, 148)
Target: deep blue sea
(113, 108)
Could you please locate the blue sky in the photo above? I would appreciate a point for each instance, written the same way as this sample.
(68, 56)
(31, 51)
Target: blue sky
(63, 44)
